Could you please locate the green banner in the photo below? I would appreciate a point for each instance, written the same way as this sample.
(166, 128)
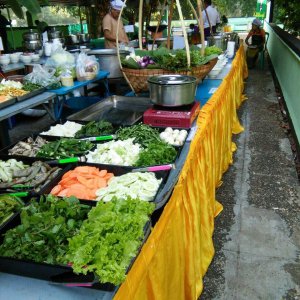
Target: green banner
(261, 9)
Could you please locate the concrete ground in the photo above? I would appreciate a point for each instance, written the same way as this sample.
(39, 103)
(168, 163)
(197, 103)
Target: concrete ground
(257, 236)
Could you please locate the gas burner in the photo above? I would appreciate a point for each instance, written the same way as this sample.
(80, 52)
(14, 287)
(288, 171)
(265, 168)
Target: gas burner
(179, 116)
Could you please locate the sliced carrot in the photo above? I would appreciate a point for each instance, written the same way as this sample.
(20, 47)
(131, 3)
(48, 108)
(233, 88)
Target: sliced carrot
(102, 173)
(56, 190)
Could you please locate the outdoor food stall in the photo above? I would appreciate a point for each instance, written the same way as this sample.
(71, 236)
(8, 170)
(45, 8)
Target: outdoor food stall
(120, 196)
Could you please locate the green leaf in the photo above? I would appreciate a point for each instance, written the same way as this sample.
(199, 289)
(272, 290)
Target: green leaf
(16, 8)
(32, 6)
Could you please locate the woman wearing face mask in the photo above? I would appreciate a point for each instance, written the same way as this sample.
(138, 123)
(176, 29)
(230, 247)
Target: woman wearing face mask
(257, 35)
(110, 25)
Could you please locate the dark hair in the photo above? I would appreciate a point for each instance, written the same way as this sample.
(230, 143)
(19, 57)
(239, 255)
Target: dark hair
(208, 2)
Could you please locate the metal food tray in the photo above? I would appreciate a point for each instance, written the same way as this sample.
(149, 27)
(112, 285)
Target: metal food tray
(30, 94)
(8, 102)
(118, 110)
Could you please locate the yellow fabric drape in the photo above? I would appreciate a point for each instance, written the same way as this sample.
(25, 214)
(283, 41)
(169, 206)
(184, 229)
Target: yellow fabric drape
(176, 256)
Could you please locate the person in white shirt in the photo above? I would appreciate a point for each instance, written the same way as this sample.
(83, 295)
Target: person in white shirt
(211, 16)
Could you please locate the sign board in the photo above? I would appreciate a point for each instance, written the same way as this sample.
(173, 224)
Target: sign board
(261, 9)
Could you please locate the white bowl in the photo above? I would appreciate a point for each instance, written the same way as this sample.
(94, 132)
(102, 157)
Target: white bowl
(5, 62)
(26, 59)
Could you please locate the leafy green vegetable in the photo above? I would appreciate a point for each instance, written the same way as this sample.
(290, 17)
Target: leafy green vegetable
(45, 228)
(143, 134)
(213, 50)
(64, 148)
(8, 206)
(156, 153)
(28, 86)
(94, 128)
(109, 239)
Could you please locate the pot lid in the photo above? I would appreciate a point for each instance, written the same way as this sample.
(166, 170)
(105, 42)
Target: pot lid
(172, 79)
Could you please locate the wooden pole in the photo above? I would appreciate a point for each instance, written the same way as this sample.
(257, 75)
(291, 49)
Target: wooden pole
(169, 23)
(187, 47)
(11, 29)
(118, 49)
(201, 27)
(141, 24)
(158, 23)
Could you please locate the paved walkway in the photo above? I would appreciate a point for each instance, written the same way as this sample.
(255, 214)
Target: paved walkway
(257, 236)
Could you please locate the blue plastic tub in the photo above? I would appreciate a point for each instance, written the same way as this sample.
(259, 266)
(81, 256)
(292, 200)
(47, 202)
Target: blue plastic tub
(79, 103)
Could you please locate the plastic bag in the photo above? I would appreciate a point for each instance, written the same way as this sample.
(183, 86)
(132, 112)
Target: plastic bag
(87, 67)
(61, 60)
(41, 75)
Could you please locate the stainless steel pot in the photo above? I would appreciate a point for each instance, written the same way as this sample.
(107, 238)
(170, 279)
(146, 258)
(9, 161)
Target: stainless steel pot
(83, 37)
(172, 90)
(32, 45)
(219, 41)
(108, 60)
(31, 36)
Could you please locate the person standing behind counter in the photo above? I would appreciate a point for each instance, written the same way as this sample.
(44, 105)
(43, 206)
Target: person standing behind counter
(110, 23)
(210, 16)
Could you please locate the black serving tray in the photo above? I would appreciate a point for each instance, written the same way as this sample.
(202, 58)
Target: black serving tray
(55, 137)
(30, 94)
(30, 161)
(116, 170)
(5, 151)
(8, 102)
(56, 274)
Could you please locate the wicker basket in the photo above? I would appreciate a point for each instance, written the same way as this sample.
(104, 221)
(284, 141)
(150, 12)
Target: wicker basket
(201, 71)
(138, 78)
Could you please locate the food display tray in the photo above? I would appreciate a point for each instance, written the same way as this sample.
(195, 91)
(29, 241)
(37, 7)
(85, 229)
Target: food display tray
(31, 94)
(118, 110)
(55, 137)
(8, 102)
(30, 161)
(55, 273)
(116, 170)
(4, 151)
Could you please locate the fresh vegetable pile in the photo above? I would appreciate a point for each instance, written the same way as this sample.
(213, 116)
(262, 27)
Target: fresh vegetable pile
(94, 128)
(82, 182)
(64, 148)
(212, 50)
(173, 60)
(8, 168)
(143, 134)
(137, 185)
(109, 239)
(8, 206)
(45, 229)
(157, 153)
(67, 129)
(124, 153)
(15, 175)
(30, 87)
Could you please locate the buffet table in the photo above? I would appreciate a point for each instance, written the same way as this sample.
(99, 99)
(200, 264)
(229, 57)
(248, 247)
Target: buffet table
(176, 255)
